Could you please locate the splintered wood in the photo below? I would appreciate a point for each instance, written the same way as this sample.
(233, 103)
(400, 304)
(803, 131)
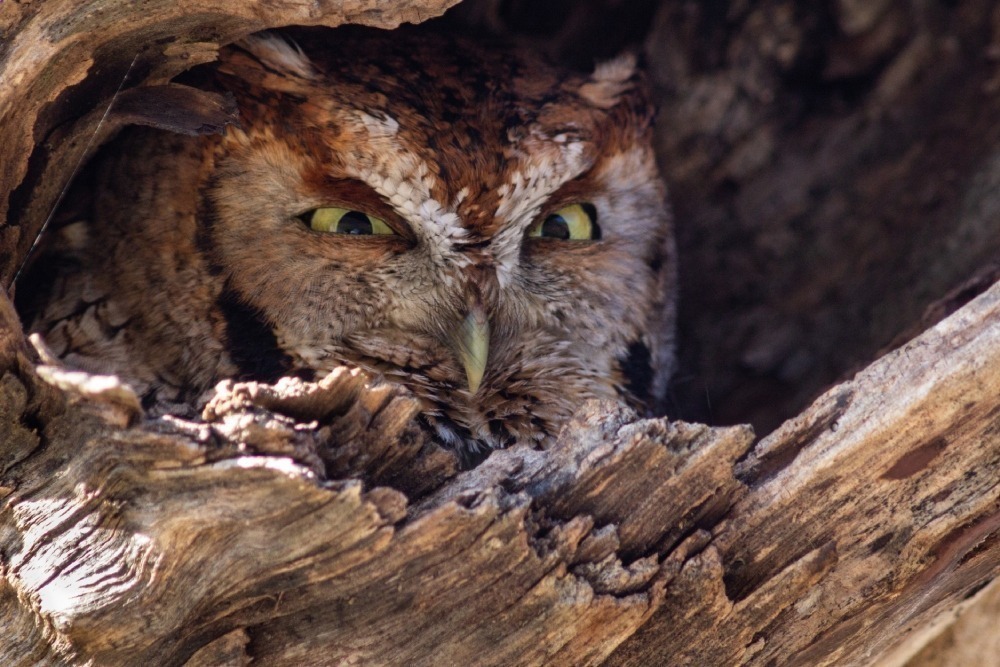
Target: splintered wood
(284, 525)
(316, 523)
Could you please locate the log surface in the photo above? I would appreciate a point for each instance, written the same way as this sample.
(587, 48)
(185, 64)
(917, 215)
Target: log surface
(314, 523)
(630, 542)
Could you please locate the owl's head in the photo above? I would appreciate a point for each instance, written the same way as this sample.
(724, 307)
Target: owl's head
(468, 221)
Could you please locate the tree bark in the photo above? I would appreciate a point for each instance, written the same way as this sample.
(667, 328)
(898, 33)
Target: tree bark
(630, 542)
(314, 523)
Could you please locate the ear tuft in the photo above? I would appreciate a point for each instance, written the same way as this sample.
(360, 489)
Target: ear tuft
(619, 69)
(280, 53)
(610, 79)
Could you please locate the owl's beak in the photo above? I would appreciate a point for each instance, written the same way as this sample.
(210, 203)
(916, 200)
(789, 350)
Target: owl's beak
(473, 346)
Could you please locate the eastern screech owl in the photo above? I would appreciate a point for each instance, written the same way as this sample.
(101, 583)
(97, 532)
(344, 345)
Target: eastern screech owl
(468, 221)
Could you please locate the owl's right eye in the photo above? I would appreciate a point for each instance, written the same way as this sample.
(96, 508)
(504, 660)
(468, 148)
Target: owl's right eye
(336, 220)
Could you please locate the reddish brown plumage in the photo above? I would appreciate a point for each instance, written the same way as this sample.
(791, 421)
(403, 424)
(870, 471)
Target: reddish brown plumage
(196, 243)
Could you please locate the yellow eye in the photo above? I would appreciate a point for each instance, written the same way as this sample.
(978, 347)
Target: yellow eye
(577, 222)
(345, 221)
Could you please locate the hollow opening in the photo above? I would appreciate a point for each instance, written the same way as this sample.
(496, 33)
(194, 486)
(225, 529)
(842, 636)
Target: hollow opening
(831, 184)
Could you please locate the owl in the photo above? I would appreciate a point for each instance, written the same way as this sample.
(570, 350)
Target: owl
(461, 218)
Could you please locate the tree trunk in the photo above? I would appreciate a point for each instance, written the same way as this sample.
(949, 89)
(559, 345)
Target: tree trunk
(834, 171)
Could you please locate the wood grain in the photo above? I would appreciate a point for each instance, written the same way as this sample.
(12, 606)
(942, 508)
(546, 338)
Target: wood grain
(629, 542)
(314, 523)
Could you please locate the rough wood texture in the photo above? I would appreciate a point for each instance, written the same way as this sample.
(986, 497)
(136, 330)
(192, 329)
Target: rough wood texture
(871, 513)
(313, 523)
(150, 543)
(630, 542)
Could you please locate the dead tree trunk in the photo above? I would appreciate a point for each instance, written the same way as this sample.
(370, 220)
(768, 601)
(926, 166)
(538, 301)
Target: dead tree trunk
(312, 523)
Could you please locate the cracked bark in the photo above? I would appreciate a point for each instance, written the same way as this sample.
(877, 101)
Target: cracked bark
(629, 542)
(313, 523)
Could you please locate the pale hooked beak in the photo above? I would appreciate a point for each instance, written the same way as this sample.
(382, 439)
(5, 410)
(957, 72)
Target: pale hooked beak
(473, 346)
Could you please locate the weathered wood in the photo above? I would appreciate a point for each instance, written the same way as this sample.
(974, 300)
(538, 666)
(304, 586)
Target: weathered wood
(150, 543)
(649, 541)
(871, 513)
(314, 523)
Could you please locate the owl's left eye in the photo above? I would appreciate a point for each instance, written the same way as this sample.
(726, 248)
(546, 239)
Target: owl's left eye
(577, 222)
(338, 220)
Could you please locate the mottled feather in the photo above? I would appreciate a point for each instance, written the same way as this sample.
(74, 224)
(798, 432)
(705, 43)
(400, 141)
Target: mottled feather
(190, 262)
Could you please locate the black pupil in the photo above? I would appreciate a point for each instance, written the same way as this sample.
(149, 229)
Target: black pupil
(354, 222)
(555, 227)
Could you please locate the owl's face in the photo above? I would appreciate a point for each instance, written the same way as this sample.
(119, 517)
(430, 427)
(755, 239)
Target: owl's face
(486, 230)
